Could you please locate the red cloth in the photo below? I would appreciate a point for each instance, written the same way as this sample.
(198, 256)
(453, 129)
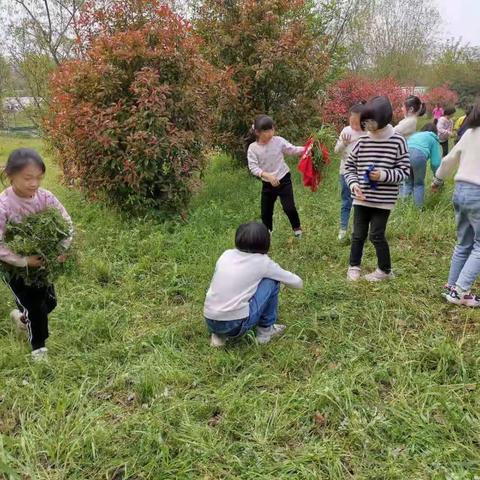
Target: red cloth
(311, 178)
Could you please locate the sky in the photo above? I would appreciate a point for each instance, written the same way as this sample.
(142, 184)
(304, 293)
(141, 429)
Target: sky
(461, 19)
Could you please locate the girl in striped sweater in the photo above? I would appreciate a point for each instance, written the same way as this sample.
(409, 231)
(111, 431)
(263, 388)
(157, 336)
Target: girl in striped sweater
(378, 164)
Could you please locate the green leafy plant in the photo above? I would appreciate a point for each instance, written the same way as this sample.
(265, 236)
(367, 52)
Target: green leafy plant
(37, 234)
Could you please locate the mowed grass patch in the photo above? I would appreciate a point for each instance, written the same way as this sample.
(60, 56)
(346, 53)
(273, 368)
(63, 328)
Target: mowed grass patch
(369, 381)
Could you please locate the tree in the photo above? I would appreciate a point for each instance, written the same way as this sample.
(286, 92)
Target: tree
(355, 88)
(5, 85)
(392, 38)
(40, 35)
(132, 116)
(277, 53)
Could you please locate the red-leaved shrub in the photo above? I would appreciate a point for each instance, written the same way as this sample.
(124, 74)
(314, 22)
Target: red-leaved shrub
(132, 115)
(442, 96)
(353, 88)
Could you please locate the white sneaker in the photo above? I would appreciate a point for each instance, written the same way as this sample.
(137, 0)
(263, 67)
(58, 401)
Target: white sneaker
(40, 354)
(379, 276)
(265, 334)
(17, 319)
(342, 235)
(354, 274)
(298, 233)
(218, 340)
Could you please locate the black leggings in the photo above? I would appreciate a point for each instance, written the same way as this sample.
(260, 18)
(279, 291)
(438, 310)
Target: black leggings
(444, 148)
(35, 303)
(269, 197)
(376, 219)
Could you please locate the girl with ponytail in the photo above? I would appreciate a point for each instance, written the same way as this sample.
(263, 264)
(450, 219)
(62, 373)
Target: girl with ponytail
(412, 109)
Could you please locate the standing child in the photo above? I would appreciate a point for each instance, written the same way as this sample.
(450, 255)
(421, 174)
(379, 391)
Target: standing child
(437, 112)
(465, 264)
(422, 146)
(374, 170)
(411, 109)
(245, 287)
(265, 153)
(445, 128)
(25, 170)
(345, 143)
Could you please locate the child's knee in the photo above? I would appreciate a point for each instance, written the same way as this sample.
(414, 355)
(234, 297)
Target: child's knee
(377, 238)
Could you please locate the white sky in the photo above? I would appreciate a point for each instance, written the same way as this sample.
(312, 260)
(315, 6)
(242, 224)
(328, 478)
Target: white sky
(462, 19)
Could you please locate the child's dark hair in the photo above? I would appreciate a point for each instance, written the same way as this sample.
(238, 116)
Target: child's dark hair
(378, 110)
(253, 237)
(450, 110)
(430, 127)
(473, 118)
(19, 159)
(357, 107)
(416, 105)
(260, 124)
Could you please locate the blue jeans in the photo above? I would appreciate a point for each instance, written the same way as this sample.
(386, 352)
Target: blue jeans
(263, 312)
(415, 183)
(465, 266)
(346, 203)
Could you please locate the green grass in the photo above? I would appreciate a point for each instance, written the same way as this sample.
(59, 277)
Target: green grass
(133, 390)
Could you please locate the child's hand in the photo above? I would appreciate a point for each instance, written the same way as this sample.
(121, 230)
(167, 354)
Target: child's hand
(358, 192)
(62, 258)
(346, 138)
(374, 175)
(269, 177)
(35, 261)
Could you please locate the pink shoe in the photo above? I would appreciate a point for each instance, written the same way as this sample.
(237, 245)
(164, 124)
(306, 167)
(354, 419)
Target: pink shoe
(354, 274)
(465, 298)
(379, 276)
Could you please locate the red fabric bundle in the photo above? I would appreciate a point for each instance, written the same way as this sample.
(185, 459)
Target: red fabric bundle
(314, 158)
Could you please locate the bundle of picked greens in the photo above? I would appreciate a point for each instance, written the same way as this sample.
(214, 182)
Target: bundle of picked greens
(40, 234)
(316, 156)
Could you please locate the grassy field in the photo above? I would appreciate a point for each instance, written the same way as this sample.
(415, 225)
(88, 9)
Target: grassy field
(369, 382)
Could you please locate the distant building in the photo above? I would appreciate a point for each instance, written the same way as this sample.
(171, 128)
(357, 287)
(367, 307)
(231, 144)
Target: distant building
(16, 104)
(415, 90)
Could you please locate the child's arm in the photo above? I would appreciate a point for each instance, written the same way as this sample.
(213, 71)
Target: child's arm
(53, 202)
(435, 157)
(449, 163)
(342, 142)
(6, 255)
(401, 170)
(253, 164)
(289, 149)
(276, 272)
(351, 173)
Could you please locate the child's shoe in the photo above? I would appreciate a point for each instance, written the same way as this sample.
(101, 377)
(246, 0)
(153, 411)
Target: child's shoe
(265, 334)
(463, 298)
(298, 233)
(446, 290)
(18, 319)
(40, 354)
(379, 276)
(342, 235)
(218, 340)
(354, 274)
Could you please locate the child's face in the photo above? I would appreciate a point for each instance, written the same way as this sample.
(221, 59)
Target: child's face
(27, 181)
(264, 136)
(370, 125)
(354, 121)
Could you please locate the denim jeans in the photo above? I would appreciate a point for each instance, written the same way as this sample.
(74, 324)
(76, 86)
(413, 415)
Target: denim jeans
(346, 203)
(263, 312)
(465, 265)
(415, 183)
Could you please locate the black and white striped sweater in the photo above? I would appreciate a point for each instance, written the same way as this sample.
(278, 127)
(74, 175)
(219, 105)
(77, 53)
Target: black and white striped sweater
(388, 152)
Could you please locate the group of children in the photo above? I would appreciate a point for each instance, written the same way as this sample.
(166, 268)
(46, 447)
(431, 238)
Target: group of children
(378, 162)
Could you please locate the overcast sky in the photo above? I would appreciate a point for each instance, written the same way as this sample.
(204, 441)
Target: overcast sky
(462, 19)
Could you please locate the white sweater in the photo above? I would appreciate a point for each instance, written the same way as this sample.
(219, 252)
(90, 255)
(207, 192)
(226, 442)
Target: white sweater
(407, 126)
(235, 281)
(465, 157)
(345, 150)
(269, 157)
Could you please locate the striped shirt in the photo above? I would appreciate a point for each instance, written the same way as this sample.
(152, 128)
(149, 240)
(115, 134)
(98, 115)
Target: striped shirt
(388, 152)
